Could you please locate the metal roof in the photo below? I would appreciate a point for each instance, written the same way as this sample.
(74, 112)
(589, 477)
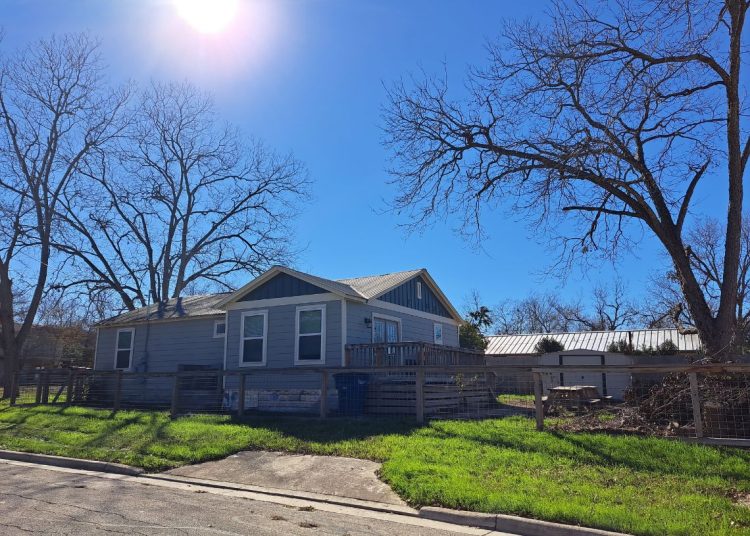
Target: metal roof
(372, 286)
(597, 341)
(362, 288)
(190, 306)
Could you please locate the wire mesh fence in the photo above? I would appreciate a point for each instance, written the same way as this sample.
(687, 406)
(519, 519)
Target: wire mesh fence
(693, 401)
(690, 401)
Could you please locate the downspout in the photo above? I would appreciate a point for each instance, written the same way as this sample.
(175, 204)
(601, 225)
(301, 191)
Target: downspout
(226, 338)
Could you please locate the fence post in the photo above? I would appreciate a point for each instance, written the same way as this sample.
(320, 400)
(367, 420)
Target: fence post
(118, 391)
(695, 397)
(347, 356)
(14, 387)
(45, 387)
(241, 396)
(69, 388)
(175, 396)
(538, 402)
(38, 396)
(220, 390)
(419, 386)
(323, 394)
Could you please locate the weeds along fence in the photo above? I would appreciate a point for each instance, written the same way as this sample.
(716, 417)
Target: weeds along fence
(704, 402)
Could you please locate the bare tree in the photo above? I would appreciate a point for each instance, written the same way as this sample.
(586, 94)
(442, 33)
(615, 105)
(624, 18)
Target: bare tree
(54, 113)
(704, 245)
(184, 203)
(612, 114)
(610, 309)
(535, 314)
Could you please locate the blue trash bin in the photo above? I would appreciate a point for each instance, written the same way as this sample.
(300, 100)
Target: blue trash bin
(352, 390)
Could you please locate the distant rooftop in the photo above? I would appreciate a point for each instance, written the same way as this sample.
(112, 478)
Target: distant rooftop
(597, 341)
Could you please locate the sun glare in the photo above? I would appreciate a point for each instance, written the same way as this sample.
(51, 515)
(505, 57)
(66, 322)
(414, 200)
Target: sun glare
(207, 16)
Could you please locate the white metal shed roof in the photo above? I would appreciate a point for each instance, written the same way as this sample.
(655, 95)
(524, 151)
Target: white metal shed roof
(597, 341)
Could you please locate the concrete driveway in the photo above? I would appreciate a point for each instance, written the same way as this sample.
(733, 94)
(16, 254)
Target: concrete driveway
(329, 475)
(53, 500)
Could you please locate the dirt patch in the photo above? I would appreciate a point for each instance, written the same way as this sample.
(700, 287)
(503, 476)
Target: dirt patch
(742, 499)
(622, 419)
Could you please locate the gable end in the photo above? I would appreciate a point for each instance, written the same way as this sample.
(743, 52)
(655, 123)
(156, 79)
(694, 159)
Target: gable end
(282, 285)
(406, 296)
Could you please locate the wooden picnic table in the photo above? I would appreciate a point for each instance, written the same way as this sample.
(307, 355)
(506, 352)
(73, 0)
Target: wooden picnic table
(570, 396)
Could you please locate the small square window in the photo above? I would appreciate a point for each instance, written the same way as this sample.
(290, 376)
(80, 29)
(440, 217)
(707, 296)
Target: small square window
(220, 328)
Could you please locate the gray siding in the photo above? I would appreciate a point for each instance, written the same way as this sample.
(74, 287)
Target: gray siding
(413, 328)
(282, 286)
(170, 343)
(406, 295)
(280, 337)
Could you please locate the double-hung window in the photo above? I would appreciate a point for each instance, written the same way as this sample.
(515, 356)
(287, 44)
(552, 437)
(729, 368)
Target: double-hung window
(124, 348)
(253, 331)
(310, 334)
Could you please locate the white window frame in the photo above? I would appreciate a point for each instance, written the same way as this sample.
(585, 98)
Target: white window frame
(117, 347)
(419, 290)
(442, 334)
(218, 335)
(245, 314)
(385, 317)
(301, 308)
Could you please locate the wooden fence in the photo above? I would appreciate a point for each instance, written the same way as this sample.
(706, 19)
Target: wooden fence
(420, 392)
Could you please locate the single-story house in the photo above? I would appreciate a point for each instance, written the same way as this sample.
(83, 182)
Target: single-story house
(282, 319)
(600, 348)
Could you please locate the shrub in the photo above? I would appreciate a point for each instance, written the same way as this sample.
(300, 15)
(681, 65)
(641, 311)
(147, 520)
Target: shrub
(471, 337)
(549, 344)
(667, 348)
(620, 347)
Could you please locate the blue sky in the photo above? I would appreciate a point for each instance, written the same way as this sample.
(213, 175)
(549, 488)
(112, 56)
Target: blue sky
(307, 76)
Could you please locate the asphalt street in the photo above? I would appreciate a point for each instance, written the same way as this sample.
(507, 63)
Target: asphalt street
(42, 500)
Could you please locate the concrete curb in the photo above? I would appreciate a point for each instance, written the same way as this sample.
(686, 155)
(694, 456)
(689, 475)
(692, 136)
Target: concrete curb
(292, 494)
(71, 463)
(503, 523)
(498, 522)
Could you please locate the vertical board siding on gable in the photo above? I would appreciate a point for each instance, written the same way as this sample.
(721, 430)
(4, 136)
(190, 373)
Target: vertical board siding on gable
(281, 334)
(282, 286)
(406, 295)
(413, 328)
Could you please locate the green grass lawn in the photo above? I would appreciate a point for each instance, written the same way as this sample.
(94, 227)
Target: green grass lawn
(626, 483)
(516, 400)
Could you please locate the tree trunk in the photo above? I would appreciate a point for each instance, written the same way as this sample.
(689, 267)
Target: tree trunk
(7, 334)
(726, 317)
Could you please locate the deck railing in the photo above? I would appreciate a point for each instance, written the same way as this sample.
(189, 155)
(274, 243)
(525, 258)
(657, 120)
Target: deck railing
(409, 354)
